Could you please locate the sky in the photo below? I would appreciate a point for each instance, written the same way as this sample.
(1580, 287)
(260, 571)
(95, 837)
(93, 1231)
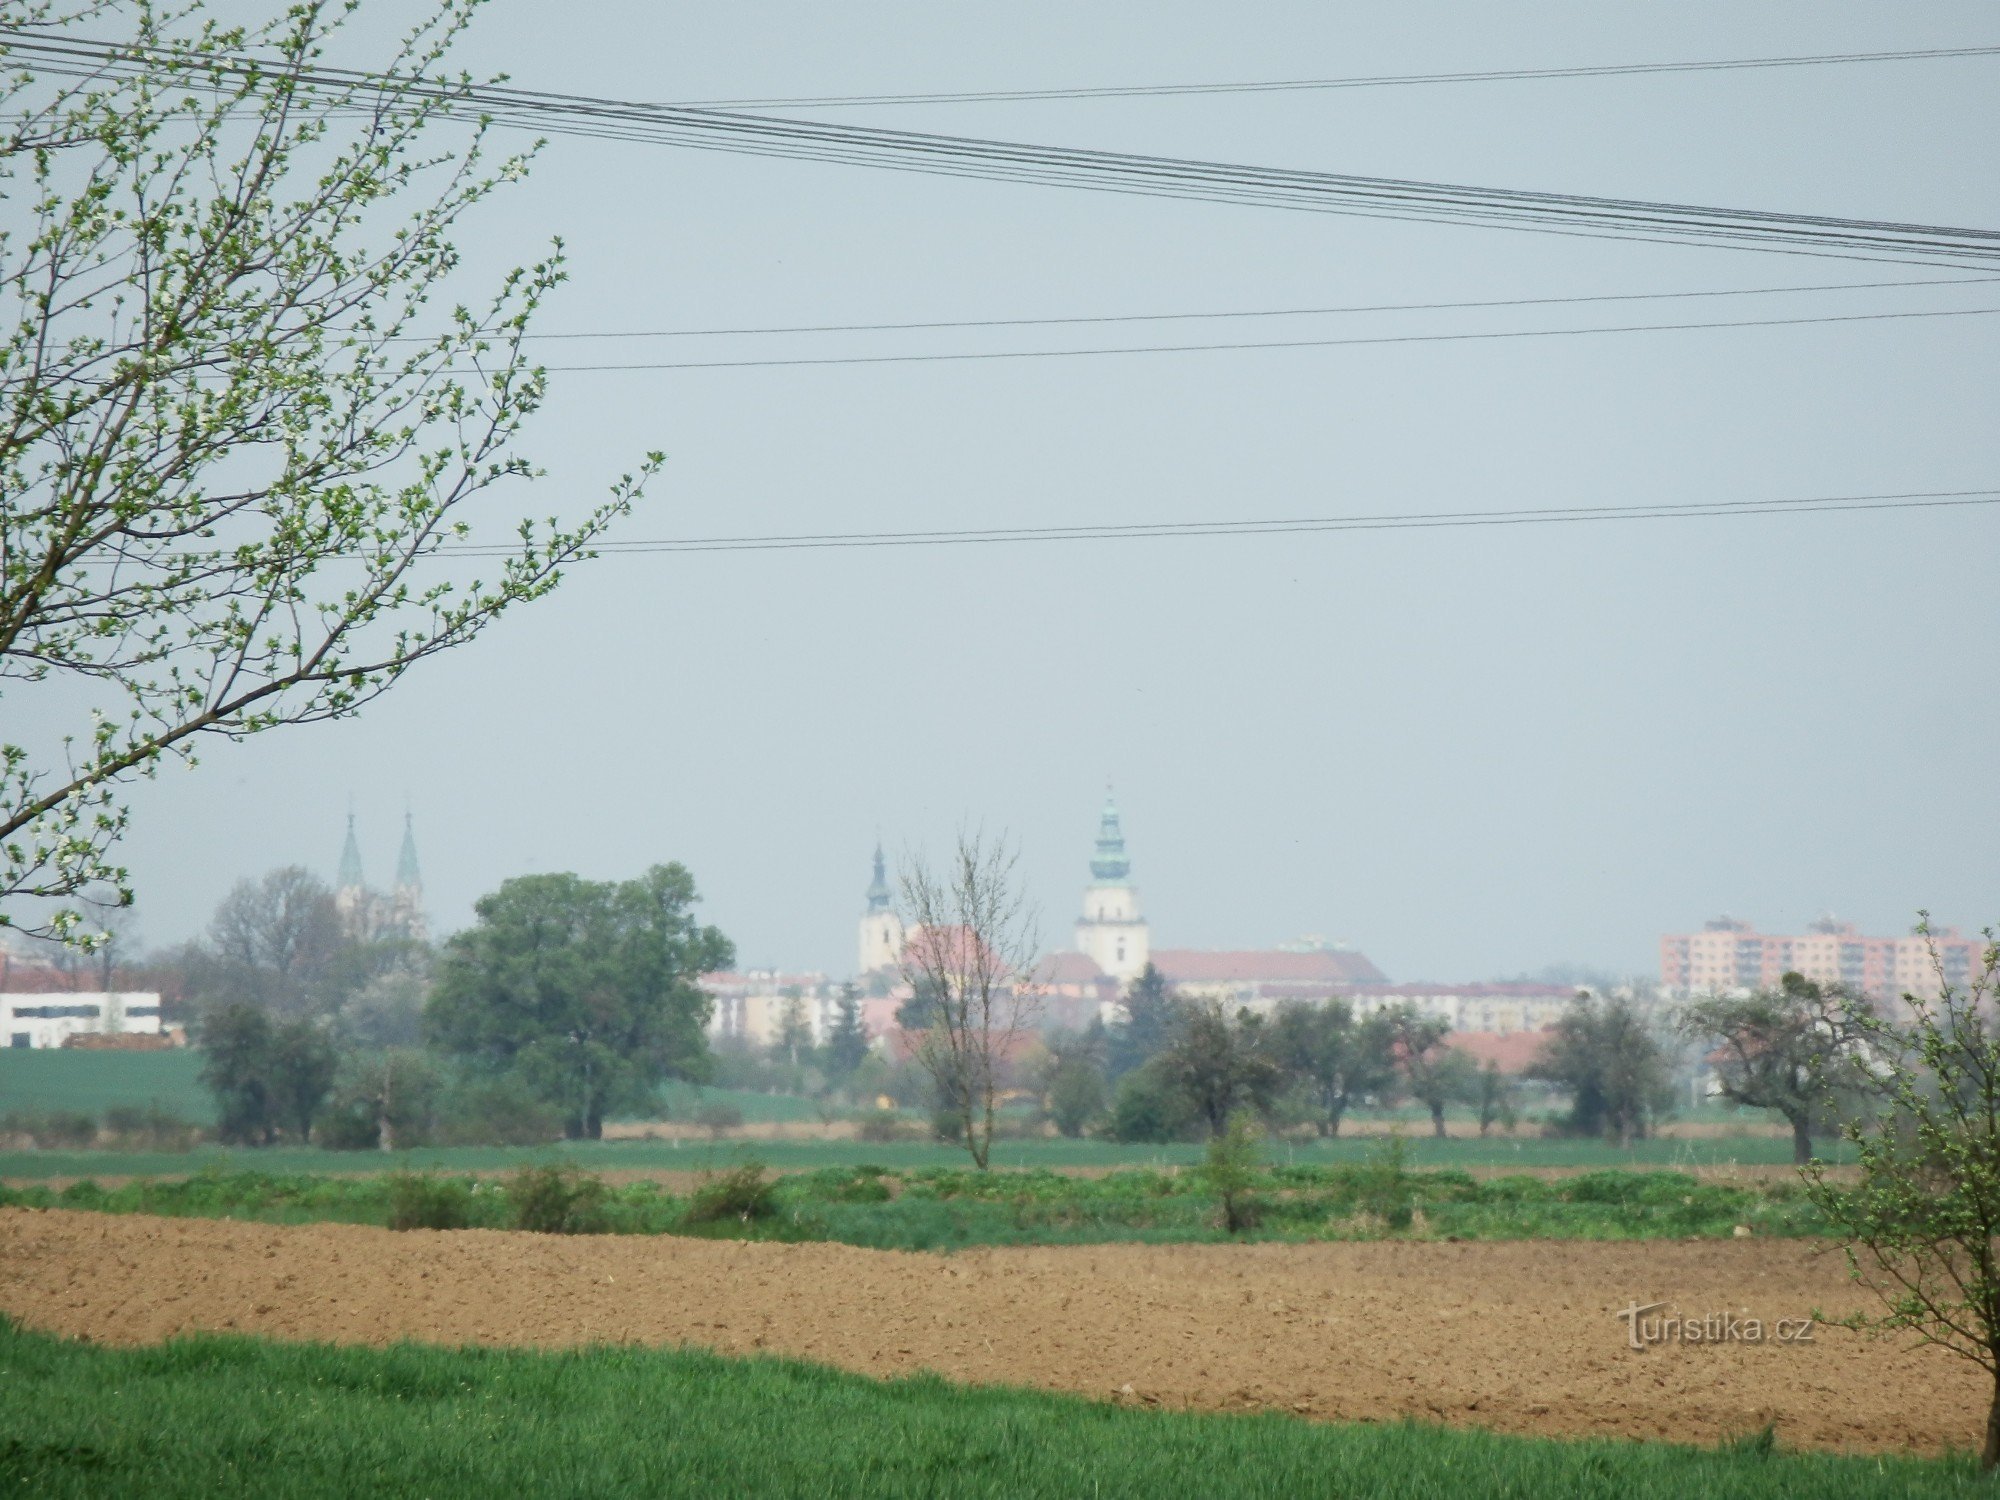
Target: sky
(1467, 752)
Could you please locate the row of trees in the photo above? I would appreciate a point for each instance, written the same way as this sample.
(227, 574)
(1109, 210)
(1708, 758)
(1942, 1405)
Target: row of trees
(565, 1001)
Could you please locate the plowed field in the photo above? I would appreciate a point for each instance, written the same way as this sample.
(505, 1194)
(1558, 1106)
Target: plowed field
(1518, 1337)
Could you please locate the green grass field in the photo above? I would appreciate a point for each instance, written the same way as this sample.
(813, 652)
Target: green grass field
(211, 1416)
(1522, 1154)
(34, 1079)
(940, 1209)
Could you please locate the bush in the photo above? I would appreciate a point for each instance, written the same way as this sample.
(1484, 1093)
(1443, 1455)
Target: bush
(718, 1117)
(349, 1126)
(1231, 1170)
(882, 1125)
(55, 1129)
(420, 1201)
(496, 1112)
(947, 1125)
(149, 1129)
(1148, 1108)
(558, 1200)
(744, 1193)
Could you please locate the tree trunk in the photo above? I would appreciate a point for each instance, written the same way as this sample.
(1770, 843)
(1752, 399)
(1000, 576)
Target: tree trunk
(1989, 1459)
(1437, 1118)
(1802, 1145)
(1331, 1129)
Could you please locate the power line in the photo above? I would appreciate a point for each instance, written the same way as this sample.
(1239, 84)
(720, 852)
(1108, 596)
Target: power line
(1266, 312)
(1387, 80)
(960, 356)
(1432, 520)
(1103, 171)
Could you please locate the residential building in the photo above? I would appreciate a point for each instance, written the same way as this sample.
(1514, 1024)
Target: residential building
(1731, 955)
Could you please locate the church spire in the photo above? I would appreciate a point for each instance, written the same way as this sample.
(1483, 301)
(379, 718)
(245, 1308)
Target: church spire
(350, 861)
(878, 888)
(1109, 864)
(408, 876)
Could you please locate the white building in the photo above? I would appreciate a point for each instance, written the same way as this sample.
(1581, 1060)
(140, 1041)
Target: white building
(1111, 931)
(48, 1020)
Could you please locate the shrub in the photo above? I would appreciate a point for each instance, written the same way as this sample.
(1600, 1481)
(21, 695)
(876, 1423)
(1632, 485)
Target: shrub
(1148, 1108)
(500, 1111)
(744, 1193)
(1231, 1171)
(420, 1201)
(718, 1117)
(558, 1200)
(947, 1125)
(149, 1129)
(882, 1125)
(64, 1129)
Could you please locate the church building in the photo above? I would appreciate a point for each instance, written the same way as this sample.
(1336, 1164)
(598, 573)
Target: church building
(368, 914)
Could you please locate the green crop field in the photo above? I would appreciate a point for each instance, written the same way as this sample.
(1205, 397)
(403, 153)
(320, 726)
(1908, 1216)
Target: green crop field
(33, 1079)
(946, 1209)
(1499, 1153)
(210, 1416)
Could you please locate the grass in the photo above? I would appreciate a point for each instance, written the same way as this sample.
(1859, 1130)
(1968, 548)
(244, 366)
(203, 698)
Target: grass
(210, 1415)
(35, 1079)
(945, 1209)
(1522, 1154)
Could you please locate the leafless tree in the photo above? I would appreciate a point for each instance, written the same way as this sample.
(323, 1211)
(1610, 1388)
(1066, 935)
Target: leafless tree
(970, 959)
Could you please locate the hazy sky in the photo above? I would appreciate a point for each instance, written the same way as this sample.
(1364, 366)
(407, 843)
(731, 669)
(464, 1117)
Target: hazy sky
(1467, 752)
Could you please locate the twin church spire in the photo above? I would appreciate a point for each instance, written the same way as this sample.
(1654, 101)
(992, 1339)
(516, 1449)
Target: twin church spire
(367, 914)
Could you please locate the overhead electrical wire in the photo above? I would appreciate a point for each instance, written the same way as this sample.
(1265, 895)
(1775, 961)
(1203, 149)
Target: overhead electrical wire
(1261, 312)
(1103, 171)
(1432, 520)
(957, 356)
(1374, 81)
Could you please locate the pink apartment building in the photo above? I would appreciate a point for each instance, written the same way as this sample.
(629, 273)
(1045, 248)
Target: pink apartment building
(1730, 955)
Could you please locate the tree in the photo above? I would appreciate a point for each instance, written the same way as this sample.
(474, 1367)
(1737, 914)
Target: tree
(847, 1038)
(1220, 1066)
(268, 1077)
(1339, 1060)
(274, 941)
(1606, 1056)
(1152, 1013)
(387, 1099)
(235, 1048)
(1792, 1049)
(971, 953)
(241, 417)
(1072, 1078)
(1495, 1099)
(794, 1026)
(1435, 1074)
(587, 990)
(299, 1067)
(1923, 1222)
(1230, 1169)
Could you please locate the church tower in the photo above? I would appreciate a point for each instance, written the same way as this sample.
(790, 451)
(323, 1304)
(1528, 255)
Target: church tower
(881, 928)
(350, 889)
(1111, 931)
(406, 901)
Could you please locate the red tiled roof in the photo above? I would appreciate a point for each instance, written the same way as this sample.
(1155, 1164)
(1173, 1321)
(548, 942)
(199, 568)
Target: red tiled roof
(1514, 1051)
(1268, 966)
(1069, 968)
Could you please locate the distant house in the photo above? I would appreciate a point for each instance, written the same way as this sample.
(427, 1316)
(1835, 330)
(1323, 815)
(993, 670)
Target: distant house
(51, 1018)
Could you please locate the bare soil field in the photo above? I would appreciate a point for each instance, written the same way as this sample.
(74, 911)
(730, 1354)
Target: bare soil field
(1517, 1337)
